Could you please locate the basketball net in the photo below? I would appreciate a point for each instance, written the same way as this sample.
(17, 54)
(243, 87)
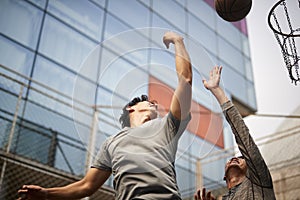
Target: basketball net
(286, 39)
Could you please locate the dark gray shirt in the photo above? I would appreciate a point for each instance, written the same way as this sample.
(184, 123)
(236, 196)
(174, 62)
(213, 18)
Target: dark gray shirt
(142, 159)
(258, 183)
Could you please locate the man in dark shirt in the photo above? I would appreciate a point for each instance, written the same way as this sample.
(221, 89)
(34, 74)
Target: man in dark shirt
(247, 176)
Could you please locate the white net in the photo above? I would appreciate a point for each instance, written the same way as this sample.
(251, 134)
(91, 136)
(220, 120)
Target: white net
(282, 20)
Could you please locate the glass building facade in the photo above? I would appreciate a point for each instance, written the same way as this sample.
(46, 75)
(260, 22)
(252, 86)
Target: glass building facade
(69, 66)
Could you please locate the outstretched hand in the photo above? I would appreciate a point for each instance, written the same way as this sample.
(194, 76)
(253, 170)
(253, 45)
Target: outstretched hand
(214, 78)
(32, 192)
(171, 37)
(203, 196)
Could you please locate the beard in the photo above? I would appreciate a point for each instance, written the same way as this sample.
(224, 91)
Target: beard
(234, 169)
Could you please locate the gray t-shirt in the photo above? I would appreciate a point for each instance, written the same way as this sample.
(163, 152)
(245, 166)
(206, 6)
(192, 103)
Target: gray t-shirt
(142, 159)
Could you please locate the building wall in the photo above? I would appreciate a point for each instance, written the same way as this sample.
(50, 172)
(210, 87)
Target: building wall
(65, 57)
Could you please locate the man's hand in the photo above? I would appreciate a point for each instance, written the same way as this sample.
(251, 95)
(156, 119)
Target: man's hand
(204, 196)
(214, 78)
(171, 37)
(32, 192)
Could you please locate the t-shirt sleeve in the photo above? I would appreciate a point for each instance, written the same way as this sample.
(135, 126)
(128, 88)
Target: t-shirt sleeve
(103, 159)
(176, 126)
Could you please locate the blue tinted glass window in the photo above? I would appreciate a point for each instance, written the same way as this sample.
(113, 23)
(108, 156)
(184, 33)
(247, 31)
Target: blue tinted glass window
(131, 45)
(202, 148)
(202, 33)
(114, 27)
(186, 181)
(90, 65)
(251, 94)
(245, 44)
(20, 21)
(200, 57)
(99, 2)
(162, 23)
(215, 179)
(231, 34)
(131, 12)
(202, 11)
(70, 159)
(200, 93)
(231, 55)
(110, 106)
(15, 57)
(40, 3)
(9, 101)
(163, 65)
(83, 15)
(55, 77)
(124, 78)
(64, 44)
(64, 81)
(56, 117)
(84, 90)
(33, 143)
(248, 69)
(235, 83)
(5, 129)
(175, 15)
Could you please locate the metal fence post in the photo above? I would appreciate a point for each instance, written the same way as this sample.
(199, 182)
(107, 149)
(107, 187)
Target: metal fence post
(93, 134)
(11, 134)
(199, 176)
(91, 145)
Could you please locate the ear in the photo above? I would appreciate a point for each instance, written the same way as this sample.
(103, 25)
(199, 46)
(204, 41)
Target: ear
(129, 109)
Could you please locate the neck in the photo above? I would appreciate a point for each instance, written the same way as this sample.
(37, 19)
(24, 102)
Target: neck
(234, 180)
(137, 121)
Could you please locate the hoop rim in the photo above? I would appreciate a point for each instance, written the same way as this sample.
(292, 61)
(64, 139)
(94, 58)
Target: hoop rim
(271, 26)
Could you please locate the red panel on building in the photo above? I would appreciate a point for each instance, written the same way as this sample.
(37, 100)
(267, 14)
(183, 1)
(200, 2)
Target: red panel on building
(204, 123)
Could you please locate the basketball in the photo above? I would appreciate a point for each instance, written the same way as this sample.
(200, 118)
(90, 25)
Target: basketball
(233, 10)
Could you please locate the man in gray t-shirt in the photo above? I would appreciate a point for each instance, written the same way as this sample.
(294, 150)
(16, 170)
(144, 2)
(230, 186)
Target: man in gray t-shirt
(141, 156)
(142, 159)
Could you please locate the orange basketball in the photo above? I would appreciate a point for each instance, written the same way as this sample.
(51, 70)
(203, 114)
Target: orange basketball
(233, 10)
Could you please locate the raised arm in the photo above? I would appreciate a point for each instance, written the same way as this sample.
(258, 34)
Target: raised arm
(257, 168)
(93, 180)
(181, 100)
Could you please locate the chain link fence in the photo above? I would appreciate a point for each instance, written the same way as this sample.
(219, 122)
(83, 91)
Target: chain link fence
(31, 153)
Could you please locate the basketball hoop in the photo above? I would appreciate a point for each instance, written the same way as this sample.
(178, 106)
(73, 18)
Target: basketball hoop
(286, 38)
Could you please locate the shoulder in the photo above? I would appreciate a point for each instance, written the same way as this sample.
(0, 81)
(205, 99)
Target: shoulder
(176, 123)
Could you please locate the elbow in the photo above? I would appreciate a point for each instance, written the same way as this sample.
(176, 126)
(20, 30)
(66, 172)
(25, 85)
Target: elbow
(86, 190)
(189, 80)
(185, 82)
(89, 189)
(188, 75)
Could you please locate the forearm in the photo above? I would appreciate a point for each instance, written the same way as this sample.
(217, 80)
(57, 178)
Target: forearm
(75, 190)
(220, 95)
(181, 102)
(183, 62)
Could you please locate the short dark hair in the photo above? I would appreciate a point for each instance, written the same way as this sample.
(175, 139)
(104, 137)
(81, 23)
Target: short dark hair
(124, 118)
